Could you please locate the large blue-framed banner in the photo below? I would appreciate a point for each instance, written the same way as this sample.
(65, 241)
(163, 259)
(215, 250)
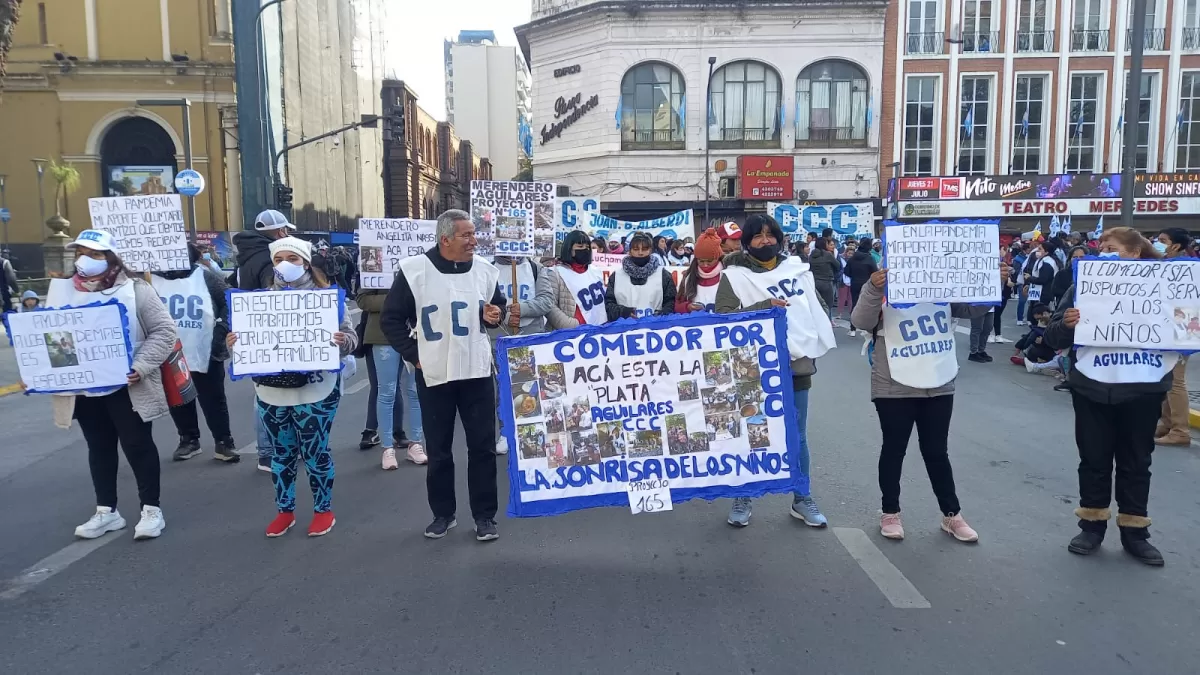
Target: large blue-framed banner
(72, 349)
(1138, 304)
(701, 400)
(285, 331)
(935, 261)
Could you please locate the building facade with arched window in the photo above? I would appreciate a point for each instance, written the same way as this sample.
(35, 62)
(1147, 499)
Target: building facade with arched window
(629, 112)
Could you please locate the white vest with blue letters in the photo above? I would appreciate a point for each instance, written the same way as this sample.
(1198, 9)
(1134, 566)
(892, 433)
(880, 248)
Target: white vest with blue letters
(452, 341)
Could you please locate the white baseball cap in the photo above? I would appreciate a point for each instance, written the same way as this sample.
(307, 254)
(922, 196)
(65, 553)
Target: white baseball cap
(271, 220)
(97, 240)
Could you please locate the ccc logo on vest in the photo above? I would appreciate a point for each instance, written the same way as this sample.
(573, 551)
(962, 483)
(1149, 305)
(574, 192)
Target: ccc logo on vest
(185, 307)
(592, 296)
(927, 325)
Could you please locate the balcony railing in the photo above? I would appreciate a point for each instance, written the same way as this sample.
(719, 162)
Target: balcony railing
(1191, 39)
(981, 43)
(1035, 41)
(652, 139)
(925, 43)
(1156, 38)
(1089, 40)
(745, 138)
(831, 137)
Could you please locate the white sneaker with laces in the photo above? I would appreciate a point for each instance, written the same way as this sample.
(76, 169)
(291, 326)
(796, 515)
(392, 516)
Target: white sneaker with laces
(104, 521)
(853, 333)
(992, 339)
(151, 525)
(502, 446)
(416, 454)
(389, 459)
(1002, 340)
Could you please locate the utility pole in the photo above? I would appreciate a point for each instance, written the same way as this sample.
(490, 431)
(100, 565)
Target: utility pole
(712, 60)
(185, 107)
(1133, 100)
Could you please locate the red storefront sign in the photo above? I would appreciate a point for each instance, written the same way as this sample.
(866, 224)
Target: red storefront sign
(766, 177)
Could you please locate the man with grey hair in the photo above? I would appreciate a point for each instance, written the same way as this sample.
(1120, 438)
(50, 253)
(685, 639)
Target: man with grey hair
(435, 315)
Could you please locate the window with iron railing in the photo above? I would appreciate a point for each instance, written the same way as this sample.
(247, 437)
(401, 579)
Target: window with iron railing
(1089, 40)
(1035, 41)
(925, 43)
(1156, 39)
(831, 105)
(747, 109)
(981, 43)
(1191, 39)
(651, 108)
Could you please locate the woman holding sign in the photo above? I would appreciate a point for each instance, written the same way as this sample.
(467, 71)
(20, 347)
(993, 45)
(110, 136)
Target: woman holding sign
(761, 277)
(122, 415)
(643, 286)
(913, 367)
(698, 287)
(297, 412)
(1117, 395)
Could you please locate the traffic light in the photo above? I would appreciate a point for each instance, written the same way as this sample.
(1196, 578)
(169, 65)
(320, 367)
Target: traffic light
(283, 197)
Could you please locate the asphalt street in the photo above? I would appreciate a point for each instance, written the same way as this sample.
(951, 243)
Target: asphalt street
(603, 591)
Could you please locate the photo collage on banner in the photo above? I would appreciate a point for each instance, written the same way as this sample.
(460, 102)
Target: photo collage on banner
(703, 401)
(68, 349)
(513, 219)
(957, 261)
(384, 242)
(285, 331)
(149, 230)
(1146, 304)
(848, 221)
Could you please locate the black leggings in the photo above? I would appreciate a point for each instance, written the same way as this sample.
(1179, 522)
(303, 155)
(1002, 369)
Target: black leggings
(854, 293)
(999, 312)
(932, 419)
(105, 421)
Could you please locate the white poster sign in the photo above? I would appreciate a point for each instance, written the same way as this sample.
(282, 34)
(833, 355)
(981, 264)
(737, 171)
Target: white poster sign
(514, 219)
(678, 225)
(574, 213)
(942, 262)
(72, 348)
(384, 242)
(1150, 304)
(284, 331)
(848, 221)
(149, 229)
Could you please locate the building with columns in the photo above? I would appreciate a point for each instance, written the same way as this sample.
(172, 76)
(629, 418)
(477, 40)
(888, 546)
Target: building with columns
(75, 74)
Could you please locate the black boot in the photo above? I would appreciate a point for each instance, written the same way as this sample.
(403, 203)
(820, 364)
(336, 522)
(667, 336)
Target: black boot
(1136, 540)
(226, 451)
(188, 448)
(1092, 525)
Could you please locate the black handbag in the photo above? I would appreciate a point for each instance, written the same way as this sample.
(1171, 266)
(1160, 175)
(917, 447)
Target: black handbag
(282, 380)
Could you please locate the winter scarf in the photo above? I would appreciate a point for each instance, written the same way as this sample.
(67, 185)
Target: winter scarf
(642, 273)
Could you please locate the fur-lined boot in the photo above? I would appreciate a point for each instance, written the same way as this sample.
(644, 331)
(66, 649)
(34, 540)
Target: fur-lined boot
(1092, 525)
(1135, 537)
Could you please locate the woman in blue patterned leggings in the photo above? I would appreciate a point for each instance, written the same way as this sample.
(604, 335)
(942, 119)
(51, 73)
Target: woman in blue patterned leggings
(297, 409)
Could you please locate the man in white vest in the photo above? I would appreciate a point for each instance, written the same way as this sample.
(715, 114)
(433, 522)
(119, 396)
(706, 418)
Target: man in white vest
(195, 299)
(436, 315)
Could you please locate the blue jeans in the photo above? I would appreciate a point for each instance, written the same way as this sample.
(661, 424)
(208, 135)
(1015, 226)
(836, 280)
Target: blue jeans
(802, 423)
(1021, 298)
(266, 447)
(389, 370)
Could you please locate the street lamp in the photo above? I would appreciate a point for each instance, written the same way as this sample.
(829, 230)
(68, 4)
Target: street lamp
(712, 60)
(260, 67)
(1133, 99)
(186, 106)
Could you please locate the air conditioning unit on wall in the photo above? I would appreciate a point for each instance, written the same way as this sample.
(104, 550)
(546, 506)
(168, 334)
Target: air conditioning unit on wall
(727, 188)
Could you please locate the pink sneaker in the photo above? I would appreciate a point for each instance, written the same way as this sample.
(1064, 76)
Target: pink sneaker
(959, 529)
(890, 527)
(389, 459)
(416, 454)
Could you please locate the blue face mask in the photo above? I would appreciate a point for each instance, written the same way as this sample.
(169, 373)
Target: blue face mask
(1160, 247)
(1110, 254)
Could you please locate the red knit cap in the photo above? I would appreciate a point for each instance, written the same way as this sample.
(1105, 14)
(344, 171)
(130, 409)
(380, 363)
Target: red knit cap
(708, 247)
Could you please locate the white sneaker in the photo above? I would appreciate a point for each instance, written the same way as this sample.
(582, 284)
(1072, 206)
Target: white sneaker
(992, 339)
(502, 446)
(151, 525)
(1022, 323)
(853, 333)
(104, 521)
(416, 454)
(1002, 340)
(389, 459)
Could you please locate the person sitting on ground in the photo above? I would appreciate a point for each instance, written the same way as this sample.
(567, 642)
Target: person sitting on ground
(1031, 349)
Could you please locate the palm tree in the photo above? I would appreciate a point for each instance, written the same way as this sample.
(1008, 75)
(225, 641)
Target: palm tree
(10, 12)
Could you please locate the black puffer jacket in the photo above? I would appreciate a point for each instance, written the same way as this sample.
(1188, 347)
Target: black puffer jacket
(825, 266)
(254, 260)
(860, 268)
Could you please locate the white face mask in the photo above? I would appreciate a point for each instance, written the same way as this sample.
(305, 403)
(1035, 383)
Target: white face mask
(287, 272)
(90, 267)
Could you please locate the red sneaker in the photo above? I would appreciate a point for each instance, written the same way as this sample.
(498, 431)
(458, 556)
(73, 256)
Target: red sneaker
(1017, 360)
(282, 523)
(322, 523)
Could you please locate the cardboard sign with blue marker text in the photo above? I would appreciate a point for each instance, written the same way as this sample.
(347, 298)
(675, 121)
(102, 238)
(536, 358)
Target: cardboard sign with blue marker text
(514, 219)
(1147, 304)
(700, 405)
(284, 331)
(72, 348)
(149, 230)
(384, 242)
(943, 262)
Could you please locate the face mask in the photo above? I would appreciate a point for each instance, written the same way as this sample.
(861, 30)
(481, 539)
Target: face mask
(208, 256)
(288, 272)
(582, 257)
(765, 253)
(640, 262)
(1160, 247)
(90, 267)
(1110, 255)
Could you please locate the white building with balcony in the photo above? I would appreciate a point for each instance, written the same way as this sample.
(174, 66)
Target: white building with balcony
(625, 110)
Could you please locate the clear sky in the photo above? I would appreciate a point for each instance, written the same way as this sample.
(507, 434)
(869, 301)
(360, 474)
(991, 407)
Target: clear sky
(416, 33)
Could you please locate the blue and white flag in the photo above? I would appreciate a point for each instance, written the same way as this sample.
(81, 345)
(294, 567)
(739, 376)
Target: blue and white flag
(1066, 226)
(1099, 228)
(870, 114)
(1025, 123)
(969, 122)
(620, 104)
(682, 113)
(1054, 226)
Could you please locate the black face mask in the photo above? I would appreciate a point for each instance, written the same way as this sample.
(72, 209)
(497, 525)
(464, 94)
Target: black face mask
(582, 256)
(764, 253)
(640, 262)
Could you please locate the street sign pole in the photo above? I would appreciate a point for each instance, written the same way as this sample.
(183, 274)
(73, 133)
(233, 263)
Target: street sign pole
(5, 216)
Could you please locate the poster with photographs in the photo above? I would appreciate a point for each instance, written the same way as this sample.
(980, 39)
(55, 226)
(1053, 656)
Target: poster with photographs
(513, 218)
(703, 400)
(72, 348)
(384, 242)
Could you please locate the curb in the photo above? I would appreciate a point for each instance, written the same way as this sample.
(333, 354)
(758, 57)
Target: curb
(1194, 418)
(7, 389)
